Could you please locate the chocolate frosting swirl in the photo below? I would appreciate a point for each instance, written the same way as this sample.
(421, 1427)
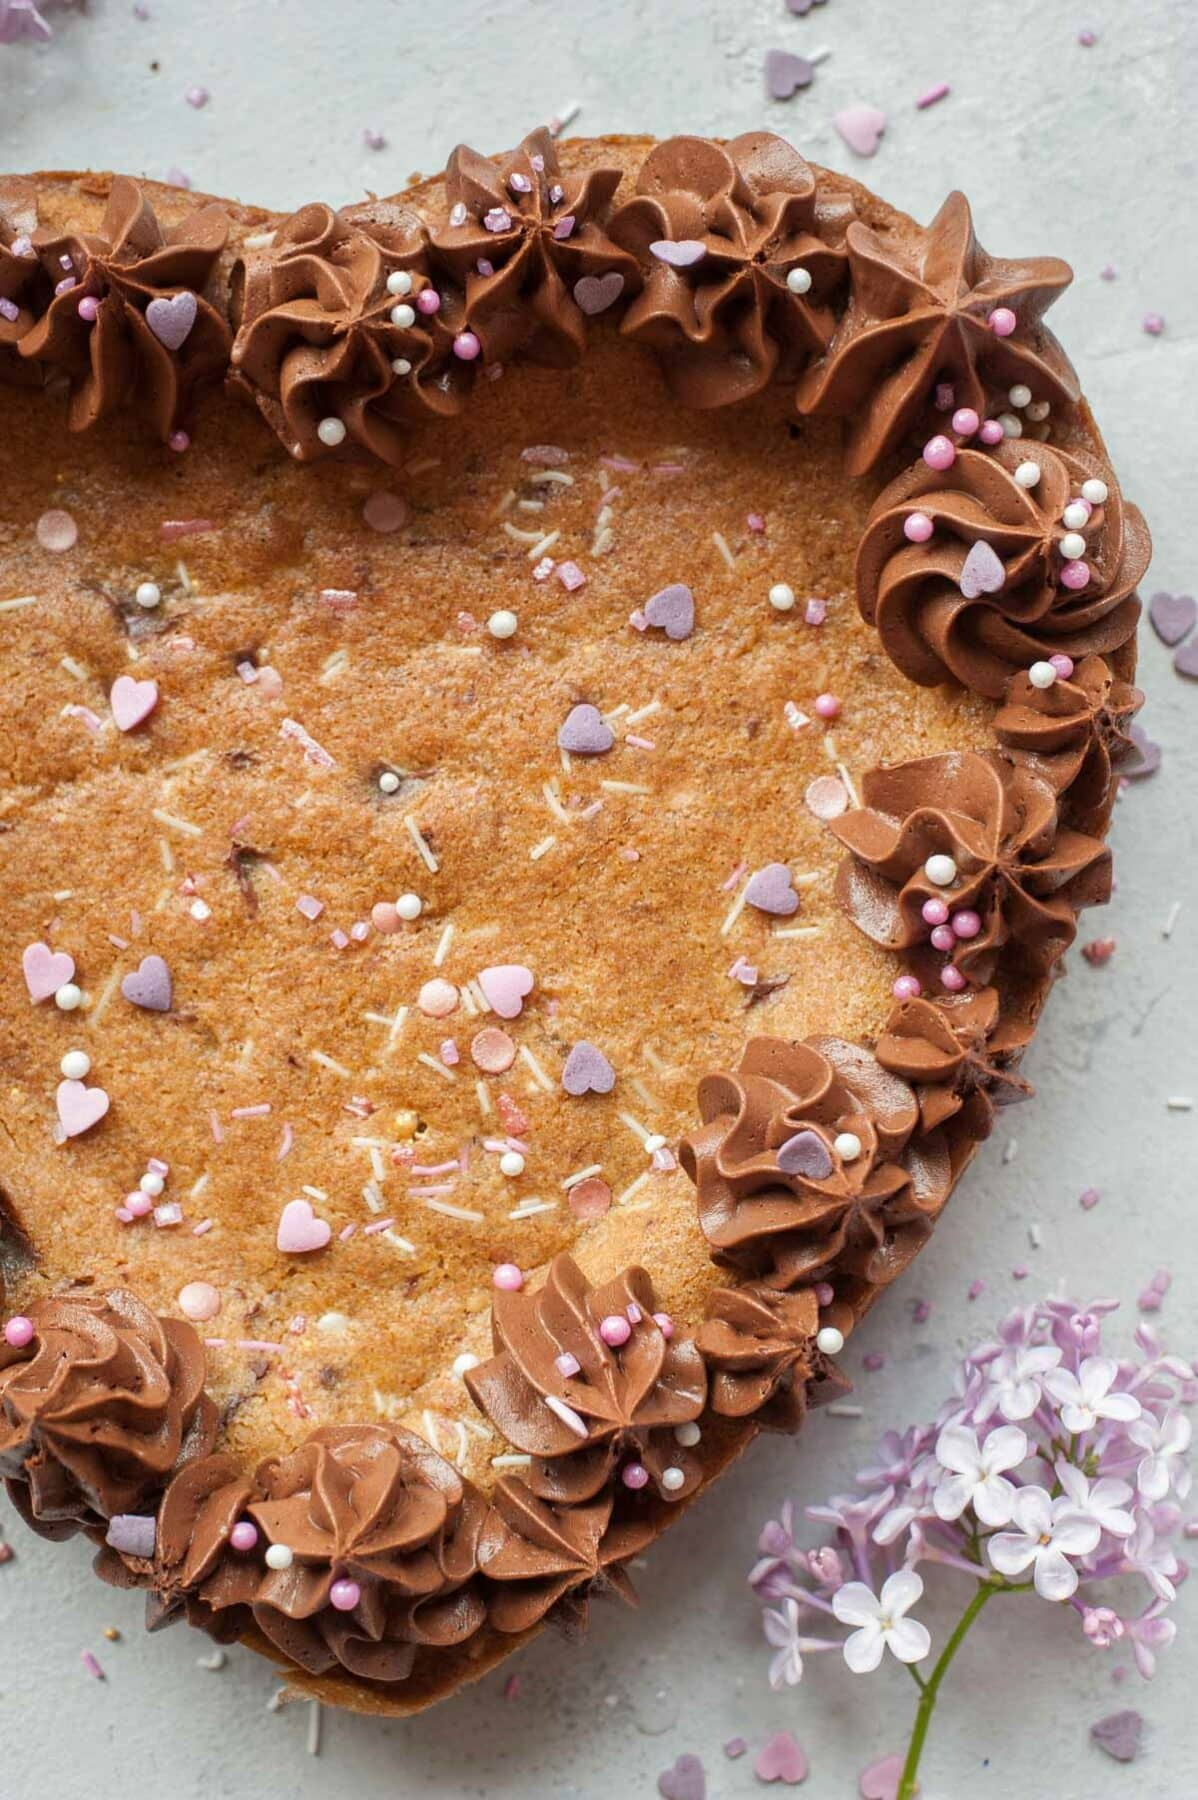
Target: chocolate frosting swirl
(919, 315)
(316, 338)
(128, 264)
(960, 1054)
(519, 239)
(374, 1505)
(775, 1194)
(623, 1401)
(545, 1556)
(1073, 735)
(760, 1351)
(98, 1410)
(724, 323)
(1024, 874)
(913, 593)
(25, 290)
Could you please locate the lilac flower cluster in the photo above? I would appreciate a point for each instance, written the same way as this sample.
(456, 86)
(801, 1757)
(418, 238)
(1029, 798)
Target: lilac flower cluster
(1053, 1468)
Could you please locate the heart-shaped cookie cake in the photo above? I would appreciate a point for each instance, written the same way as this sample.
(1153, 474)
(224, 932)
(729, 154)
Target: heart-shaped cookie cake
(558, 726)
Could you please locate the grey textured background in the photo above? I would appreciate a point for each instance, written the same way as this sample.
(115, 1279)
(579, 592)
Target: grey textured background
(1085, 152)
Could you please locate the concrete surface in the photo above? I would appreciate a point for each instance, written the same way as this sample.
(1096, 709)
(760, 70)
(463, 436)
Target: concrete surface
(1088, 152)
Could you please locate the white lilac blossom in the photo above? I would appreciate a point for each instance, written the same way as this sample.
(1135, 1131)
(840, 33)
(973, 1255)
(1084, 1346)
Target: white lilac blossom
(1052, 1469)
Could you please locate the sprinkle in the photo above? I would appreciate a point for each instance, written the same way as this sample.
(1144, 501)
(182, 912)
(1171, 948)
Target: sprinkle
(570, 576)
(1179, 1103)
(721, 544)
(57, 531)
(328, 1062)
(417, 837)
(313, 752)
(1154, 324)
(975, 1288)
(92, 1666)
(933, 94)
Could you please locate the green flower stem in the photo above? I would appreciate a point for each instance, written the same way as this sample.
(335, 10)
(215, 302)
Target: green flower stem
(930, 1687)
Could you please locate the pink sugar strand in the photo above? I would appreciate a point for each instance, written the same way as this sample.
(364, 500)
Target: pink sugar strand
(441, 1168)
(251, 1112)
(287, 1143)
(203, 1228)
(939, 92)
(217, 1129)
(377, 1225)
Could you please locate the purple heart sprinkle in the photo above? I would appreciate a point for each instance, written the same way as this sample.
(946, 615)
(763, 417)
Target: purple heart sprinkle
(673, 609)
(1172, 616)
(786, 73)
(171, 319)
(595, 293)
(587, 1071)
(132, 1533)
(1144, 757)
(982, 572)
(680, 254)
(149, 985)
(1119, 1734)
(805, 1154)
(685, 1781)
(1185, 660)
(770, 890)
(585, 733)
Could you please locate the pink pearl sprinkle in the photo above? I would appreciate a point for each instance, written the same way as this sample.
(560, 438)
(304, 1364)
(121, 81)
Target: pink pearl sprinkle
(1075, 575)
(428, 301)
(934, 912)
(615, 1330)
(917, 528)
(199, 1300)
(178, 441)
(138, 1204)
(942, 938)
(385, 918)
(827, 706)
(965, 421)
(991, 432)
(951, 978)
(907, 987)
(1003, 321)
(634, 1475)
(466, 346)
(966, 923)
(243, 1536)
(1063, 665)
(1154, 323)
(89, 306)
(344, 1595)
(508, 1277)
(18, 1332)
(825, 1293)
(940, 453)
(664, 1324)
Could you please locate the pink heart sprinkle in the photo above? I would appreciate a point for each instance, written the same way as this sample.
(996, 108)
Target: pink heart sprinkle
(782, 1758)
(46, 970)
(860, 127)
(680, 254)
(880, 1781)
(585, 733)
(587, 1071)
(505, 988)
(595, 293)
(132, 701)
(672, 609)
(982, 572)
(171, 319)
(300, 1230)
(149, 985)
(770, 890)
(79, 1107)
(685, 1781)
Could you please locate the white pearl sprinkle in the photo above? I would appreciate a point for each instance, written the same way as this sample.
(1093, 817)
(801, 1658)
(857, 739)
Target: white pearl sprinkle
(672, 1480)
(1042, 675)
(148, 594)
(389, 782)
(151, 1184)
(401, 365)
(1011, 426)
(333, 1324)
(940, 870)
(799, 281)
(1075, 515)
(464, 1363)
(1038, 411)
(399, 282)
(1020, 395)
(847, 1145)
(654, 1141)
(1027, 474)
(68, 997)
(1072, 545)
(331, 432)
(403, 315)
(782, 597)
(76, 1065)
(1095, 491)
(279, 1556)
(829, 1340)
(409, 906)
(503, 624)
(511, 1163)
(687, 1435)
